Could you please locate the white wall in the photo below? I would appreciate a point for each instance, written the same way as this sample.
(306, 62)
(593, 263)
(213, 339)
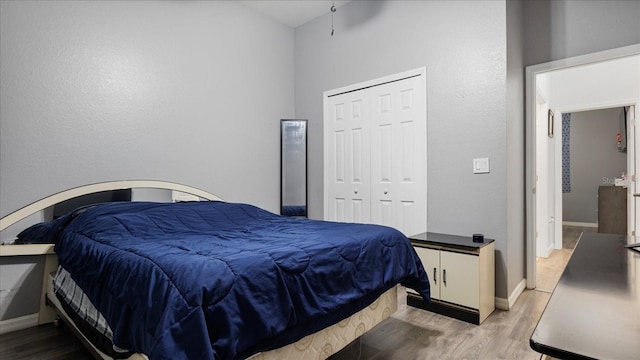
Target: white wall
(462, 45)
(601, 85)
(184, 91)
(543, 213)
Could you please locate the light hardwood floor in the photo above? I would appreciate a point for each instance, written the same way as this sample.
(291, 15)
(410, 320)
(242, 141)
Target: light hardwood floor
(410, 333)
(416, 334)
(549, 269)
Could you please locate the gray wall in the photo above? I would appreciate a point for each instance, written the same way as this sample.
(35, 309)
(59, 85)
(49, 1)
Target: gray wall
(595, 161)
(95, 91)
(462, 45)
(558, 29)
(20, 284)
(183, 91)
(515, 149)
(475, 93)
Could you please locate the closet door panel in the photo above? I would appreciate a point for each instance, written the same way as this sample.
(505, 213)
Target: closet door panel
(382, 159)
(349, 172)
(337, 145)
(399, 161)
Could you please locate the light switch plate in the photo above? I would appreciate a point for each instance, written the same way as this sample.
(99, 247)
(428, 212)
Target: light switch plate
(481, 166)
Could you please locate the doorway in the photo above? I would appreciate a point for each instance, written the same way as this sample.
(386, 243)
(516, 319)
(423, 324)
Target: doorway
(593, 193)
(595, 81)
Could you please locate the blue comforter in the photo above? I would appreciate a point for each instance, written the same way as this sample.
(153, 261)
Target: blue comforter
(215, 280)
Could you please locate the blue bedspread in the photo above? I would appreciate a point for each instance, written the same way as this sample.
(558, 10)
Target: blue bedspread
(215, 280)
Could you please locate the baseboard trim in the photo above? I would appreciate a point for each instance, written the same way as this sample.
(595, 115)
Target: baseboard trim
(507, 304)
(19, 323)
(580, 224)
(502, 304)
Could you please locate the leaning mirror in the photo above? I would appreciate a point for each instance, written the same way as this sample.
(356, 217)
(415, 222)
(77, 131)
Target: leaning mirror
(293, 167)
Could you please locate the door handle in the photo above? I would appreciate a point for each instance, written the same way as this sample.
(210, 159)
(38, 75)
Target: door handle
(444, 277)
(435, 278)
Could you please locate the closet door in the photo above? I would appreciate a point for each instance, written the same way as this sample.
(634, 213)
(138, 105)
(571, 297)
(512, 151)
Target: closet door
(376, 152)
(398, 156)
(347, 161)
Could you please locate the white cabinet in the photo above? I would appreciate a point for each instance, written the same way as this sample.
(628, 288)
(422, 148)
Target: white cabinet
(375, 160)
(461, 274)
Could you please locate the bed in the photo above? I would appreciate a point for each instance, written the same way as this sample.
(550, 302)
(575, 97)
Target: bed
(217, 280)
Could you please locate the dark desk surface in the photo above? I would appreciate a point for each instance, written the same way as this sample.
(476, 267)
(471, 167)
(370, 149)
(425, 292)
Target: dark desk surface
(449, 240)
(594, 311)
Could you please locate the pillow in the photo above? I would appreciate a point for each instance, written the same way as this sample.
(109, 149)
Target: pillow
(40, 233)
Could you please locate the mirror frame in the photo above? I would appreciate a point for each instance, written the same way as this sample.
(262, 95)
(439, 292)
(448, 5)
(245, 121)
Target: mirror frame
(303, 212)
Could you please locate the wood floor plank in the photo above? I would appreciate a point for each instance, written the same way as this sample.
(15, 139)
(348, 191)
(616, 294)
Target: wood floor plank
(42, 342)
(418, 334)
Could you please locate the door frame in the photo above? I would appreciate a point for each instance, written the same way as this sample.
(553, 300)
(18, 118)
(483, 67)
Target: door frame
(531, 73)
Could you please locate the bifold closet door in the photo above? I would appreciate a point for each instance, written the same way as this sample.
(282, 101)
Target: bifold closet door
(348, 167)
(376, 153)
(398, 156)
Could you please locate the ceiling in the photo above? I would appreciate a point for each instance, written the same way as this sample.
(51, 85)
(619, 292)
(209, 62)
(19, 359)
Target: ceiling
(293, 13)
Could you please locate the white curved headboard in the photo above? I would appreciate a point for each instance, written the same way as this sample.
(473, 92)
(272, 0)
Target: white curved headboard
(42, 204)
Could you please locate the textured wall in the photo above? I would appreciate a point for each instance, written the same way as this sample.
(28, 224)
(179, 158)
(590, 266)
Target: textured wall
(462, 45)
(184, 91)
(515, 149)
(558, 29)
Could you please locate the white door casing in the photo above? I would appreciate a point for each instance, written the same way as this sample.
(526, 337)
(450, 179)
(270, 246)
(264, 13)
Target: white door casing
(632, 171)
(542, 176)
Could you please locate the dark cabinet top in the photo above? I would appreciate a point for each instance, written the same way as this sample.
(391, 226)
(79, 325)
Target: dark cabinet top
(429, 238)
(594, 311)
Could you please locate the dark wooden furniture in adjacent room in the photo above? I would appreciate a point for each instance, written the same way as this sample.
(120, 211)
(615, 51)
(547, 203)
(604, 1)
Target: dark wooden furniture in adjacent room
(612, 210)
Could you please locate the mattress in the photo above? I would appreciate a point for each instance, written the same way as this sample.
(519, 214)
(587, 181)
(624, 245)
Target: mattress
(317, 346)
(85, 315)
(74, 322)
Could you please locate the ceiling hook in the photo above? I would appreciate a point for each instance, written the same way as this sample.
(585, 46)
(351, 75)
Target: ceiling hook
(333, 9)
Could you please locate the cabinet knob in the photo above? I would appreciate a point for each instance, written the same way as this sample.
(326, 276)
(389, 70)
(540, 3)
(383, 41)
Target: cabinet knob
(386, 191)
(355, 191)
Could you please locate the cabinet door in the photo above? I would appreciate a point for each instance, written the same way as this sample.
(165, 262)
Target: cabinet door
(430, 259)
(460, 279)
